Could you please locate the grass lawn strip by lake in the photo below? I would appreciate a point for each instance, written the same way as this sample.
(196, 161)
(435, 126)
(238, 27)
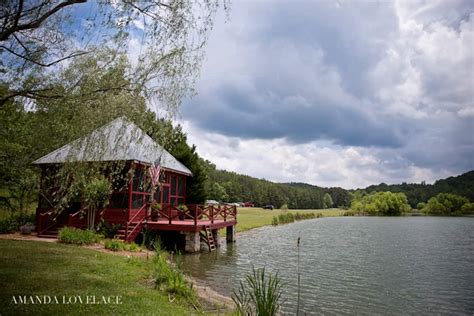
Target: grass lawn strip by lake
(253, 217)
(38, 268)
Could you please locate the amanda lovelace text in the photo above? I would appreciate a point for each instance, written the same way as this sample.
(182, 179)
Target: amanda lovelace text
(67, 299)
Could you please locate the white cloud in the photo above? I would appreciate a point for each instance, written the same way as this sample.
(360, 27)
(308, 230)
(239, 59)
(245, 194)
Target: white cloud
(318, 163)
(325, 71)
(467, 112)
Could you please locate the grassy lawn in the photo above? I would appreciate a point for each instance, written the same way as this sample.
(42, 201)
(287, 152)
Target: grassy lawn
(40, 268)
(253, 217)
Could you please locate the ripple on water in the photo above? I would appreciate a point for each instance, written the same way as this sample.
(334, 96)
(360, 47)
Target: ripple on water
(364, 265)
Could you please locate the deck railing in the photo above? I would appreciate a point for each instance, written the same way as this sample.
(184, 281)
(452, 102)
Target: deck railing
(137, 220)
(45, 221)
(196, 212)
(76, 219)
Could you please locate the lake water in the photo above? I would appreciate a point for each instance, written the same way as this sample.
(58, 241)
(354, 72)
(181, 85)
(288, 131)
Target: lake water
(356, 265)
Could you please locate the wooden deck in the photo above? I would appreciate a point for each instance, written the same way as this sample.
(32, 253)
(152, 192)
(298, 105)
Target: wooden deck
(189, 225)
(194, 218)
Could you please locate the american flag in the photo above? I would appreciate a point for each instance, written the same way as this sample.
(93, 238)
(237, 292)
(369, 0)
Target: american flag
(154, 171)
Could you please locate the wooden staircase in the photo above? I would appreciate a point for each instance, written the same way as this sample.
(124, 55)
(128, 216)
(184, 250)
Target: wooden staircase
(209, 239)
(51, 232)
(134, 228)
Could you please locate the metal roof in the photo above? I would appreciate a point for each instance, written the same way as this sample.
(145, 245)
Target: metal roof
(117, 140)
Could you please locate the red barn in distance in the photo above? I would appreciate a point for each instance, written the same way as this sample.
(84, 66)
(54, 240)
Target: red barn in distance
(129, 207)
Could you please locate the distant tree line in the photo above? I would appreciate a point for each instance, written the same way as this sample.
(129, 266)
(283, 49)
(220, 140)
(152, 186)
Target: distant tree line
(228, 186)
(233, 187)
(462, 185)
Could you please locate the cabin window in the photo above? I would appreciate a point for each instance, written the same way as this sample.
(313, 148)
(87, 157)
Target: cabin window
(119, 182)
(173, 185)
(138, 180)
(173, 191)
(120, 177)
(177, 190)
(166, 195)
(181, 186)
(119, 200)
(141, 187)
(138, 200)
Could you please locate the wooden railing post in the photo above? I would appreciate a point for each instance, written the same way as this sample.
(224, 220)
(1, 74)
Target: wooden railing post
(212, 213)
(40, 225)
(126, 231)
(169, 213)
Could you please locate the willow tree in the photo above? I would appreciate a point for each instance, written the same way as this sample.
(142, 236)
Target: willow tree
(165, 39)
(69, 61)
(56, 122)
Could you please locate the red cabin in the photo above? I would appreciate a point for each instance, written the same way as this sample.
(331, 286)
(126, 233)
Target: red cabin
(129, 204)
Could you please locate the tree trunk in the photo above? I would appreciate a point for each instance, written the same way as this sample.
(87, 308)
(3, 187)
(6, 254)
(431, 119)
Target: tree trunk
(91, 219)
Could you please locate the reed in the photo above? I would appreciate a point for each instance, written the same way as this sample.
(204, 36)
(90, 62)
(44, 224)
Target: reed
(169, 276)
(259, 294)
(285, 218)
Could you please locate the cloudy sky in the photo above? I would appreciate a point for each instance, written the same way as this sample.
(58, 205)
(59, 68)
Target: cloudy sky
(338, 93)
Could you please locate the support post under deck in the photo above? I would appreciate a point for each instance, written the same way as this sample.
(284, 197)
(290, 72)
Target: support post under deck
(230, 230)
(192, 242)
(215, 235)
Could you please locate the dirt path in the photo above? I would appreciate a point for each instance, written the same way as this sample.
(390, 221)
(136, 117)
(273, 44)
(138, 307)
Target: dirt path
(32, 237)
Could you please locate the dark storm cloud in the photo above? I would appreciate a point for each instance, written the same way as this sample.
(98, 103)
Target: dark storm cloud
(246, 116)
(390, 75)
(294, 53)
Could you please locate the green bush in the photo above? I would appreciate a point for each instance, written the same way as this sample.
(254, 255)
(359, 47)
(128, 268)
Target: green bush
(467, 208)
(447, 204)
(381, 203)
(108, 230)
(275, 221)
(114, 244)
(151, 239)
(133, 247)
(286, 217)
(349, 213)
(71, 235)
(15, 220)
(22, 218)
(421, 205)
(8, 225)
(284, 207)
